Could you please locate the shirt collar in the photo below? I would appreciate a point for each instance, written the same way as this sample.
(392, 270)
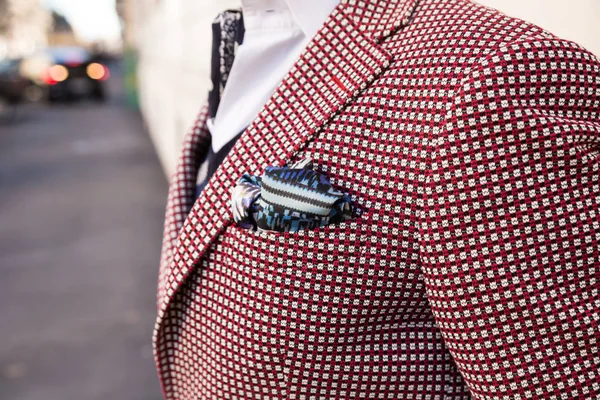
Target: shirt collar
(309, 15)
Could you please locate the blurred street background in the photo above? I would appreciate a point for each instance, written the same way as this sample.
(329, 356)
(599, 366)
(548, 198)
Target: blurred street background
(95, 98)
(81, 202)
(82, 196)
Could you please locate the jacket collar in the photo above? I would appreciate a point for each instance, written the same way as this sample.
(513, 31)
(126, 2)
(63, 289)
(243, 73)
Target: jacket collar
(340, 61)
(378, 19)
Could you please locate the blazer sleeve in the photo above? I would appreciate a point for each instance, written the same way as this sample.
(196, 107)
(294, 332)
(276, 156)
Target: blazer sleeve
(510, 224)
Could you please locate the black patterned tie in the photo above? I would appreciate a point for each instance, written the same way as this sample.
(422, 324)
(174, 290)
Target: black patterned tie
(228, 33)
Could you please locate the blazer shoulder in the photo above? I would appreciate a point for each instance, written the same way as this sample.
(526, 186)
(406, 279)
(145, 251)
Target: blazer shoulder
(476, 24)
(472, 42)
(542, 66)
(461, 30)
(530, 79)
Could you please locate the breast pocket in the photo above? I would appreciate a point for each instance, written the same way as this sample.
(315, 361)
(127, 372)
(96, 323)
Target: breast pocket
(306, 278)
(304, 292)
(331, 245)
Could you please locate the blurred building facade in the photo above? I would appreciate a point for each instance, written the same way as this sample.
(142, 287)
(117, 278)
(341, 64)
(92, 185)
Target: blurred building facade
(24, 27)
(172, 41)
(61, 32)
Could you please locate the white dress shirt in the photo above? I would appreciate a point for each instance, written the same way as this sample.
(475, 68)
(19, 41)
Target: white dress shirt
(276, 33)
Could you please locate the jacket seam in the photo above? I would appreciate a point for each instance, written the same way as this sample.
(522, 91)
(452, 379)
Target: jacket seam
(458, 91)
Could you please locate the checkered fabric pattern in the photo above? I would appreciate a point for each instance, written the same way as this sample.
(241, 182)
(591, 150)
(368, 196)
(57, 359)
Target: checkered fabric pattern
(471, 141)
(182, 190)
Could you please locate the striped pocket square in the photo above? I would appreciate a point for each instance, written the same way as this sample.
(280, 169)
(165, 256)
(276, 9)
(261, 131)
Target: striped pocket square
(288, 199)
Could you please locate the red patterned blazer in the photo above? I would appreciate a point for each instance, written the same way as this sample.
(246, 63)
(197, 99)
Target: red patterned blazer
(471, 141)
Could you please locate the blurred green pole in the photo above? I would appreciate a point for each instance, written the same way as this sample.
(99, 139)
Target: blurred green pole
(130, 77)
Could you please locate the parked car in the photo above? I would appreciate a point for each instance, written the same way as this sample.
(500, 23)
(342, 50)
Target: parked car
(73, 74)
(20, 80)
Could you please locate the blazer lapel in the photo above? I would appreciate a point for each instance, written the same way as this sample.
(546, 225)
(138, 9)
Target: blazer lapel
(340, 61)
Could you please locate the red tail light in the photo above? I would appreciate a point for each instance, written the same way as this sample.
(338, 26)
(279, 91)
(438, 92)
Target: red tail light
(98, 71)
(54, 74)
